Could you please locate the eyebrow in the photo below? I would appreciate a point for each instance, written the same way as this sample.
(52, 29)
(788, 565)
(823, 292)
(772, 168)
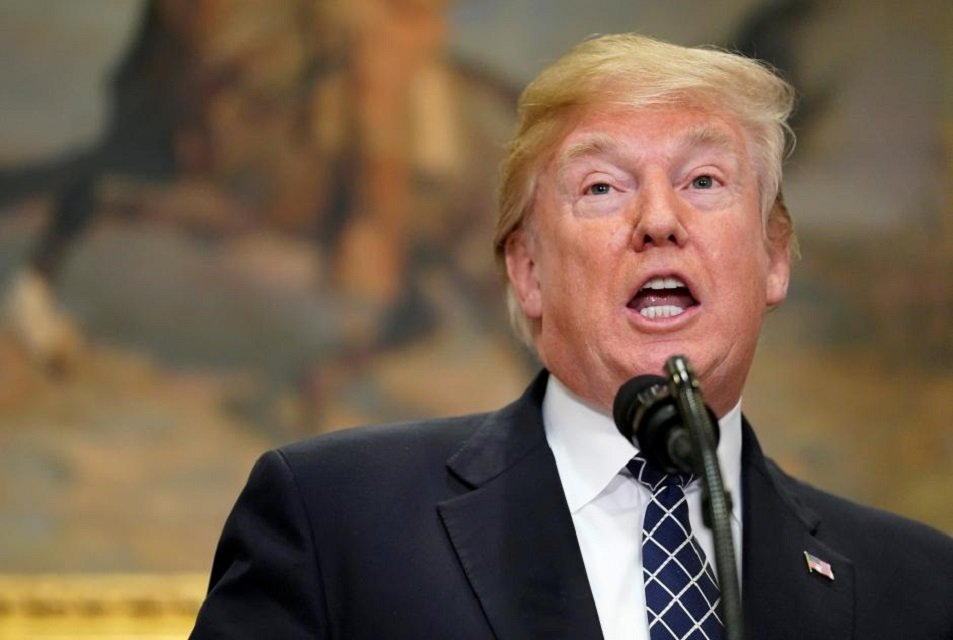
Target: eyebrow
(705, 135)
(593, 145)
(698, 135)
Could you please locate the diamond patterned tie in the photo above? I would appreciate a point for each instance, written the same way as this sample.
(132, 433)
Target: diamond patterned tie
(681, 592)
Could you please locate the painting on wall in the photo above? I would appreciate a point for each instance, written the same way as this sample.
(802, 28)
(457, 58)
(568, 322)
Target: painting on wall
(225, 226)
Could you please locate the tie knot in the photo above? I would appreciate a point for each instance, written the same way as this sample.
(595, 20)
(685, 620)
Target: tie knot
(654, 479)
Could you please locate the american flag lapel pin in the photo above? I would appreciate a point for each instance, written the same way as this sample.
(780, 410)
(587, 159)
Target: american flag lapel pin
(816, 565)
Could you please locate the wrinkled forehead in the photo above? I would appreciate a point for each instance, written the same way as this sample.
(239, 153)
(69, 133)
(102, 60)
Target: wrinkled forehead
(671, 132)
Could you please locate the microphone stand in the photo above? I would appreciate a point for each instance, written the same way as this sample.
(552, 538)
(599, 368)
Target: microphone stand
(716, 503)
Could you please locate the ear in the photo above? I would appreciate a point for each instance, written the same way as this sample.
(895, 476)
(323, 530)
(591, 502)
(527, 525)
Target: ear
(781, 245)
(521, 258)
(779, 272)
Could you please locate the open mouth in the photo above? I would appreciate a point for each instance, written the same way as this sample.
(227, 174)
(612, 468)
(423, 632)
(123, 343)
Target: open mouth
(662, 297)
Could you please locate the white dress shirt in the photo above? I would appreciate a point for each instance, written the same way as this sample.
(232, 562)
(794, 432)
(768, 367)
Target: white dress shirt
(608, 505)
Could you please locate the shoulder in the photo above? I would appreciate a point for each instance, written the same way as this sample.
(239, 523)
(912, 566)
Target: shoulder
(876, 538)
(847, 523)
(867, 524)
(389, 452)
(384, 443)
(898, 573)
(358, 461)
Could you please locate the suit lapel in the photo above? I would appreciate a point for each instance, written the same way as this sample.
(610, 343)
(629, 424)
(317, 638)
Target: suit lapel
(513, 532)
(783, 598)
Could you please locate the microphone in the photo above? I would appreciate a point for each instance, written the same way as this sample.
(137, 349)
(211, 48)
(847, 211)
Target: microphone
(646, 414)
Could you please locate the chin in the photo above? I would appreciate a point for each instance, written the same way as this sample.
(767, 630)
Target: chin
(652, 360)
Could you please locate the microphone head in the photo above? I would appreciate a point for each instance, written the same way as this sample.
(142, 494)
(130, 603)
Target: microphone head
(632, 396)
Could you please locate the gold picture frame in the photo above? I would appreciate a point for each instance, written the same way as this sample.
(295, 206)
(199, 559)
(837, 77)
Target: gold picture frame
(109, 606)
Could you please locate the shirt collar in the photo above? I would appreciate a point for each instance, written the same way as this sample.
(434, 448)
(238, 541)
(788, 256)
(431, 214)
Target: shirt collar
(590, 451)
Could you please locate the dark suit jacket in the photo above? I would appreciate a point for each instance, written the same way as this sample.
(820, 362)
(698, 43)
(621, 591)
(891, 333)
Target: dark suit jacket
(459, 529)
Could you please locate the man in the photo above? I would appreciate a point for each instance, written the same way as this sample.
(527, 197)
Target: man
(640, 217)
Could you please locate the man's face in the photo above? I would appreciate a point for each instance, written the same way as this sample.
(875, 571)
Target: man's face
(646, 241)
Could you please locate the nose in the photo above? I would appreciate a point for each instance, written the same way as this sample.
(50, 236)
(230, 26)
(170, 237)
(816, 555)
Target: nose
(658, 220)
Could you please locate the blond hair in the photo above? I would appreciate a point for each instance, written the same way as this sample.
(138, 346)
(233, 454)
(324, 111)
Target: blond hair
(633, 71)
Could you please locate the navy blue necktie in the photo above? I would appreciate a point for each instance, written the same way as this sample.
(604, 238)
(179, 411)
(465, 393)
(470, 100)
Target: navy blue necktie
(681, 592)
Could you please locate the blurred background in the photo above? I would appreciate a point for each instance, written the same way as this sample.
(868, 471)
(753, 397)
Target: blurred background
(229, 224)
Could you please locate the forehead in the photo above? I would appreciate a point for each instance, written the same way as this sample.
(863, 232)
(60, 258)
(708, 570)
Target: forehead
(667, 132)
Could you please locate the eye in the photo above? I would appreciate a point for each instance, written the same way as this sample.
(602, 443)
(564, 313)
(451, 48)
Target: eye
(598, 189)
(703, 182)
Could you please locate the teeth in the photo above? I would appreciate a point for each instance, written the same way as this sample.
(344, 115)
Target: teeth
(664, 311)
(663, 283)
